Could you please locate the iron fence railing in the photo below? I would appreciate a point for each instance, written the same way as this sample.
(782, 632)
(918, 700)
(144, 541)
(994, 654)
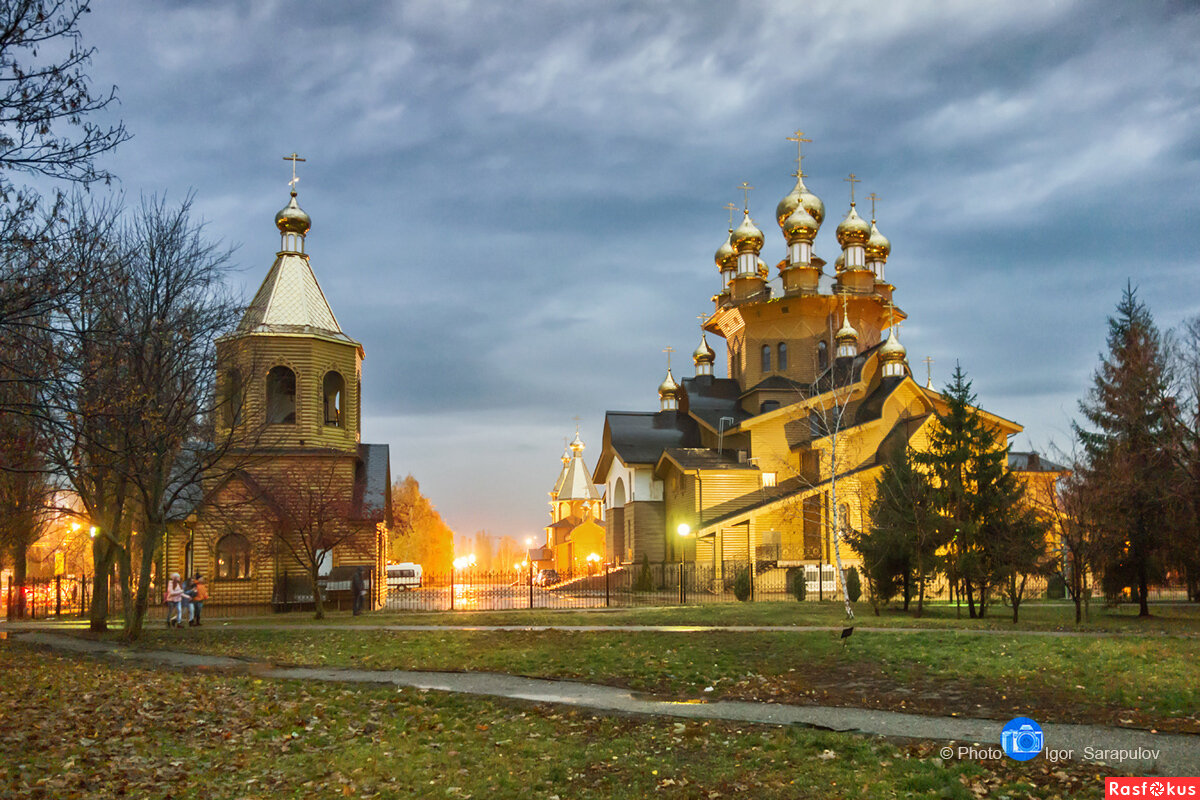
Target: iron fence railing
(479, 590)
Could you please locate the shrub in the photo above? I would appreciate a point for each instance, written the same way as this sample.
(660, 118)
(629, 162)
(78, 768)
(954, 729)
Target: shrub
(644, 581)
(853, 585)
(741, 585)
(799, 583)
(1056, 587)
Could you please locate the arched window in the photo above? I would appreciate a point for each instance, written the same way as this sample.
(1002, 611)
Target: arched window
(822, 355)
(766, 358)
(233, 557)
(844, 517)
(281, 396)
(781, 355)
(234, 398)
(335, 391)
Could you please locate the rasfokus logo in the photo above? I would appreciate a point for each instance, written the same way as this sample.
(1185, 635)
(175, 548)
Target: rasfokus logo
(1152, 787)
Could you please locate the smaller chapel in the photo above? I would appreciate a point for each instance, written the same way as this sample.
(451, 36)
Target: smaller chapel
(575, 535)
(297, 484)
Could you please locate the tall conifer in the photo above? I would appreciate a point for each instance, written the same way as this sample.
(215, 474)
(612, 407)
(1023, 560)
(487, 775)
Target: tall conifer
(1128, 469)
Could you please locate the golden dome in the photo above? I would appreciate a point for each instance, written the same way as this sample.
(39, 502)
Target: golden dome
(800, 226)
(800, 196)
(726, 256)
(703, 354)
(577, 445)
(892, 350)
(878, 246)
(292, 218)
(763, 272)
(747, 238)
(668, 388)
(853, 229)
(839, 263)
(847, 330)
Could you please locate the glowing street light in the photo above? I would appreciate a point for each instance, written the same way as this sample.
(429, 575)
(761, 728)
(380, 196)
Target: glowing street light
(683, 530)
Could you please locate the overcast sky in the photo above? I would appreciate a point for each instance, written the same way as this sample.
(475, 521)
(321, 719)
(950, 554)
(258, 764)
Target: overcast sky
(515, 205)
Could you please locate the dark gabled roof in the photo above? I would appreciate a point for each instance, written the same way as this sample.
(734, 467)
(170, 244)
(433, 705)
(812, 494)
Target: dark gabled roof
(781, 383)
(639, 437)
(704, 458)
(871, 407)
(372, 494)
(1033, 462)
(709, 398)
(840, 373)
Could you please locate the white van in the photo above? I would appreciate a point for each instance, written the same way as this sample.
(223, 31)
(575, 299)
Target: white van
(403, 576)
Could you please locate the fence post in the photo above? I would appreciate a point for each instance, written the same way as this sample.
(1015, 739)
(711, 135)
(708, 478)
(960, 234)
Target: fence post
(58, 596)
(531, 581)
(8, 599)
(606, 584)
(451, 588)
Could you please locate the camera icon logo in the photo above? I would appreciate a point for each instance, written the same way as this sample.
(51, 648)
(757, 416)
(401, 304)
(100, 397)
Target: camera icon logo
(1022, 739)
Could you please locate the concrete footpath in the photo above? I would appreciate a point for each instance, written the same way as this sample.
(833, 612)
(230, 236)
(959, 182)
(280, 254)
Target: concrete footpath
(1127, 749)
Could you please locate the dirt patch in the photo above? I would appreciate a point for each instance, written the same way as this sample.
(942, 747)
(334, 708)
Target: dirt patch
(869, 686)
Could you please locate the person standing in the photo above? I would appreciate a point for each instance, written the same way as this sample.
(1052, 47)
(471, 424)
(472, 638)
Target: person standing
(201, 594)
(174, 597)
(358, 588)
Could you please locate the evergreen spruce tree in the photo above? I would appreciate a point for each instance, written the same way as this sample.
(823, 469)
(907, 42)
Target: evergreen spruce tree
(1128, 465)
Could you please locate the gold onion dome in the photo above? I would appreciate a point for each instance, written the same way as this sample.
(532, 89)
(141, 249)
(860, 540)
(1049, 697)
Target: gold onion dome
(847, 330)
(892, 350)
(577, 444)
(800, 196)
(747, 238)
(703, 354)
(800, 226)
(763, 271)
(726, 256)
(878, 247)
(292, 219)
(668, 388)
(853, 229)
(839, 263)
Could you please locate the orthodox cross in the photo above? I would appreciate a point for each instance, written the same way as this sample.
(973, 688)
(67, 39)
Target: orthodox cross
(928, 371)
(293, 158)
(731, 207)
(873, 197)
(852, 180)
(745, 187)
(703, 319)
(576, 418)
(891, 314)
(668, 351)
(798, 138)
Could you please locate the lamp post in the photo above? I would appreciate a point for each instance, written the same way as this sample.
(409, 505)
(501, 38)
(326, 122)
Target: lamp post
(529, 552)
(684, 530)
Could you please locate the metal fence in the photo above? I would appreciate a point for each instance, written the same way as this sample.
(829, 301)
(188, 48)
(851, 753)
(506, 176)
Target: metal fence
(624, 586)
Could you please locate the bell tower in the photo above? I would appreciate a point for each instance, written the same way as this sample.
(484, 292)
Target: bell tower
(287, 371)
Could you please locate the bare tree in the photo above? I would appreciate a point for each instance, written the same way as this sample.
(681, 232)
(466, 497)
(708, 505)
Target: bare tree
(313, 505)
(46, 99)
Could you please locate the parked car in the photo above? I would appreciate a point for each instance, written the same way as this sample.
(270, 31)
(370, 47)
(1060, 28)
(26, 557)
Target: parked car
(547, 577)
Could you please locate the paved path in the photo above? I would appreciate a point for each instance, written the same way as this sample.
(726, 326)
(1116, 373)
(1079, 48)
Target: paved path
(1167, 754)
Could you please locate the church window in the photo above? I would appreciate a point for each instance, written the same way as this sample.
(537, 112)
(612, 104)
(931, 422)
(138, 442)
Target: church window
(281, 396)
(335, 391)
(844, 516)
(781, 355)
(766, 358)
(768, 479)
(234, 398)
(822, 355)
(233, 557)
(768, 405)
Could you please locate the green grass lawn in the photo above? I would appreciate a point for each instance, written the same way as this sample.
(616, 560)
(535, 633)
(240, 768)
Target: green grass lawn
(1168, 618)
(77, 727)
(1143, 680)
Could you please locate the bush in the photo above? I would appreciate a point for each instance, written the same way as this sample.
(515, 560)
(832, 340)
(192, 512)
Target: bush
(741, 585)
(798, 585)
(1056, 587)
(644, 581)
(853, 585)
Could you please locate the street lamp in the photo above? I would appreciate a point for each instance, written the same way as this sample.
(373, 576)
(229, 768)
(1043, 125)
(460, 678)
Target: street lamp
(529, 552)
(684, 530)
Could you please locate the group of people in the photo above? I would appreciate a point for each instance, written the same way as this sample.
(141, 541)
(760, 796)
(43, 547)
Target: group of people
(185, 596)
